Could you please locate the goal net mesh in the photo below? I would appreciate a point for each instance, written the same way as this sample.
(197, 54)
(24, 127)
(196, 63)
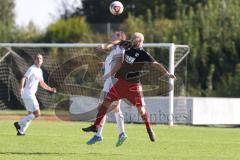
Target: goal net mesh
(76, 71)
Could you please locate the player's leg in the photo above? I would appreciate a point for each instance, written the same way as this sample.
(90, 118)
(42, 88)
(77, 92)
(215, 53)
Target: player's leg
(120, 124)
(28, 119)
(145, 116)
(135, 96)
(119, 117)
(112, 96)
(32, 106)
(102, 112)
(100, 129)
(23, 124)
(103, 108)
(120, 121)
(98, 136)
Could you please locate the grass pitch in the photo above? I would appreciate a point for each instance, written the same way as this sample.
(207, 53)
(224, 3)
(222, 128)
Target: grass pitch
(49, 140)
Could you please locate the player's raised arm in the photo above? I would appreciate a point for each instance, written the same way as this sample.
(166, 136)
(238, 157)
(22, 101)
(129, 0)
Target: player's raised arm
(115, 40)
(107, 46)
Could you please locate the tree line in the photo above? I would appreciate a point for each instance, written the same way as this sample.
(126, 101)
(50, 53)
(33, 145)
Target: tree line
(210, 27)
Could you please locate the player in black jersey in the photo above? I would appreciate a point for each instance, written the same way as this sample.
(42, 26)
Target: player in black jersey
(128, 85)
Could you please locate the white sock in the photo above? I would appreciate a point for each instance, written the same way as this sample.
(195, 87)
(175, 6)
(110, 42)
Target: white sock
(24, 123)
(120, 121)
(23, 129)
(100, 129)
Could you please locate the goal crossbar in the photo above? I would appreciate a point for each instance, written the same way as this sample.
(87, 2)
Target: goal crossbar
(68, 45)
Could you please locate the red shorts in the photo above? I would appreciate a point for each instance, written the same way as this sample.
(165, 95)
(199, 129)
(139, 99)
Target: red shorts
(124, 89)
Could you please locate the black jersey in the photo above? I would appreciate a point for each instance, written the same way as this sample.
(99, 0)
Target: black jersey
(133, 62)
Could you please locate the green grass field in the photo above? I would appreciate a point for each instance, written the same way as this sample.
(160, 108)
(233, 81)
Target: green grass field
(47, 140)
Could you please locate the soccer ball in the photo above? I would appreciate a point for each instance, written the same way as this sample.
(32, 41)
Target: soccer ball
(116, 8)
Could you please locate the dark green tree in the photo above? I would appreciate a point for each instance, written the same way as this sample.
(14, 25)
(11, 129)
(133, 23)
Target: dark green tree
(211, 30)
(70, 30)
(7, 20)
(97, 11)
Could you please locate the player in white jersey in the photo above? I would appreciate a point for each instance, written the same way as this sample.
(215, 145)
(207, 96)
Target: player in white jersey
(112, 62)
(28, 89)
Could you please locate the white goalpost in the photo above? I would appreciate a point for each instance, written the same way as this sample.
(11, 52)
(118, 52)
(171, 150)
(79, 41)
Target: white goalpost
(10, 75)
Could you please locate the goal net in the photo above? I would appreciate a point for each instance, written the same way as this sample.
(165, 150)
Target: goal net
(75, 70)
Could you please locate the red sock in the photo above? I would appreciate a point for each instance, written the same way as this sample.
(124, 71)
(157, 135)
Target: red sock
(101, 113)
(146, 120)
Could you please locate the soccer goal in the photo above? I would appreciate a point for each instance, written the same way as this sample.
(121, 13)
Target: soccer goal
(75, 70)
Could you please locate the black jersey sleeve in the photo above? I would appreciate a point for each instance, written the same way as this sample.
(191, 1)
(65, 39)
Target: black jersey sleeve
(149, 58)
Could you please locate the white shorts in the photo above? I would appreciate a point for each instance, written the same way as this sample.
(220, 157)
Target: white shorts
(108, 84)
(31, 104)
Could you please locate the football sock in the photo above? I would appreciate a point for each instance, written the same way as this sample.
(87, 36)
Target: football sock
(146, 120)
(100, 129)
(101, 113)
(120, 121)
(23, 129)
(24, 122)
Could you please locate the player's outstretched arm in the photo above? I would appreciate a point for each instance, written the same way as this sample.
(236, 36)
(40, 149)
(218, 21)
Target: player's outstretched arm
(162, 69)
(107, 46)
(46, 87)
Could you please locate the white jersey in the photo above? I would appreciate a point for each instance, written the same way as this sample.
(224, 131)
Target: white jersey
(33, 76)
(116, 52)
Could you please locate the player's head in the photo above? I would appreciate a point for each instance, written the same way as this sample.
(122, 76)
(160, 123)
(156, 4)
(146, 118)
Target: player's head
(38, 59)
(118, 35)
(137, 39)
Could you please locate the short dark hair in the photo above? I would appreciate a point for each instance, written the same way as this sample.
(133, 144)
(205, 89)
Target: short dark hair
(38, 54)
(121, 34)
